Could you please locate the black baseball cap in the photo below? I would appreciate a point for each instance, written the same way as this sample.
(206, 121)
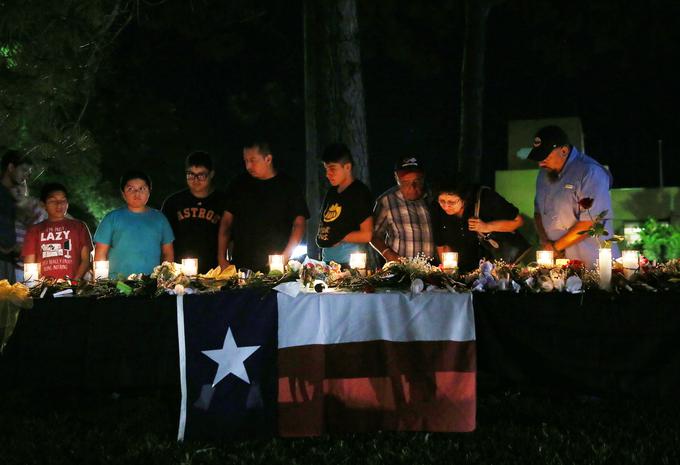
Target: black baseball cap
(546, 140)
(407, 164)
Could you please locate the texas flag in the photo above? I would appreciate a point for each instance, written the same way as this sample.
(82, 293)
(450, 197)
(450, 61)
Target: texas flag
(352, 362)
(227, 349)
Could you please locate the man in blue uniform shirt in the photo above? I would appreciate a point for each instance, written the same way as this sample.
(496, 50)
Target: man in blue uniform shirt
(567, 176)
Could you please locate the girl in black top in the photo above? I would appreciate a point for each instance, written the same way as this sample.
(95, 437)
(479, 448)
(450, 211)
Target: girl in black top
(454, 226)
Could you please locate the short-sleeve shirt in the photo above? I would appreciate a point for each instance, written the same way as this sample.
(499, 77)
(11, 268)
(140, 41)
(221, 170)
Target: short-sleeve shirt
(57, 246)
(342, 213)
(453, 231)
(557, 202)
(135, 240)
(404, 225)
(264, 212)
(195, 222)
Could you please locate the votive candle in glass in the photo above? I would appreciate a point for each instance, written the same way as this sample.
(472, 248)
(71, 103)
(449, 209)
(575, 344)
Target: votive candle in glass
(357, 260)
(276, 263)
(101, 269)
(631, 262)
(450, 260)
(190, 266)
(544, 257)
(31, 272)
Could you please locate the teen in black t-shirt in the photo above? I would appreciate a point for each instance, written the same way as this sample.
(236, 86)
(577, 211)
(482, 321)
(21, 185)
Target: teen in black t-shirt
(346, 222)
(264, 214)
(195, 213)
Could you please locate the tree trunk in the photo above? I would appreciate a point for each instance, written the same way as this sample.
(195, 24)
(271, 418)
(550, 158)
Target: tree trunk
(472, 90)
(334, 96)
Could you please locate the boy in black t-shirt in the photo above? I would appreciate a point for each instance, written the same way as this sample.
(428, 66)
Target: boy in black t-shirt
(195, 213)
(346, 223)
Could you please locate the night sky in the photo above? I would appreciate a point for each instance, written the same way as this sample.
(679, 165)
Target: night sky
(207, 74)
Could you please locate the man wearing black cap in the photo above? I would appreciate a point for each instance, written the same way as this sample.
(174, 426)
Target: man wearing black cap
(402, 225)
(566, 177)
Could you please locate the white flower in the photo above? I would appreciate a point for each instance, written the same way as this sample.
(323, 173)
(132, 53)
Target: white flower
(417, 286)
(179, 289)
(574, 284)
(294, 265)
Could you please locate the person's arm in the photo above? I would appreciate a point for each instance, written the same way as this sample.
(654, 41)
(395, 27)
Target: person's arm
(475, 224)
(363, 234)
(168, 252)
(84, 262)
(29, 258)
(381, 247)
(101, 251)
(223, 238)
(296, 233)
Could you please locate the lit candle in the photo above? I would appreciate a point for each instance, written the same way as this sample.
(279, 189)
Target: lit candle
(544, 257)
(31, 272)
(449, 260)
(631, 262)
(101, 269)
(357, 260)
(190, 266)
(604, 266)
(562, 261)
(276, 263)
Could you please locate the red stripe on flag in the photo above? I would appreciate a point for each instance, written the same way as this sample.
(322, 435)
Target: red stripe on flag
(377, 385)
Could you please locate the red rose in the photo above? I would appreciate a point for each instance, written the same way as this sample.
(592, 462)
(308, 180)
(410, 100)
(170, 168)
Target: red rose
(586, 203)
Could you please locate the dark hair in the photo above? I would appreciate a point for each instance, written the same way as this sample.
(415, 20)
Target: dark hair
(14, 157)
(263, 146)
(51, 187)
(199, 158)
(466, 192)
(134, 174)
(337, 153)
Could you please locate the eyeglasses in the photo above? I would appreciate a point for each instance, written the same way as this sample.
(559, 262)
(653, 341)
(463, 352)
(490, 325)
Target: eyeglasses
(197, 176)
(132, 190)
(414, 184)
(450, 203)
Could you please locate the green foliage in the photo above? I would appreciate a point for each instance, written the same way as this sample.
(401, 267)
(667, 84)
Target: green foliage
(660, 241)
(49, 55)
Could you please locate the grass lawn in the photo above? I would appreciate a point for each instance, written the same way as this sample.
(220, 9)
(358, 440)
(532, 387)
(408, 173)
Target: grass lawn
(511, 429)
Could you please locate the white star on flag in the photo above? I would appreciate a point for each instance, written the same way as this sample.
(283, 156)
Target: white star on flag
(230, 359)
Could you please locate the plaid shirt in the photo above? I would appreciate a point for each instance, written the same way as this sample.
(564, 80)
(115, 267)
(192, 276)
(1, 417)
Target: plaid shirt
(404, 225)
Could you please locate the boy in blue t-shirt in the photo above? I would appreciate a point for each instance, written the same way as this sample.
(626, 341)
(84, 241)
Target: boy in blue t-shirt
(135, 238)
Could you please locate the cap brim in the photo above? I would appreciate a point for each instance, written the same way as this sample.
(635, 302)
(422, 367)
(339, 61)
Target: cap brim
(539, 153)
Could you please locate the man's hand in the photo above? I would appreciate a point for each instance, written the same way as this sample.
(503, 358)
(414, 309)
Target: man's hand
(223, 263)
(390, 255)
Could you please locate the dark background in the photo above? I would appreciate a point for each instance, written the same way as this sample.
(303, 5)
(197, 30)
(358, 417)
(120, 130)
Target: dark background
(205, 74)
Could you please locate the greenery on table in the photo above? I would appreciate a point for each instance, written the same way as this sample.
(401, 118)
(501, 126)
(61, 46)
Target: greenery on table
(660, 241)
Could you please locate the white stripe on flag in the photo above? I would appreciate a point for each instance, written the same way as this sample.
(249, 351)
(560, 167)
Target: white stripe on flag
(182, 367)
(328, 318)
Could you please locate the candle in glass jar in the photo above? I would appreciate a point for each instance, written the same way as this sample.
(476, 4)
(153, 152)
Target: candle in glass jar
(562, 261)
(544, 257)
(101, 269)
(357, 260)
(604, 267)
(449, 260)
(631, 262)
(190, 266)
(276, 263)
(31, 272)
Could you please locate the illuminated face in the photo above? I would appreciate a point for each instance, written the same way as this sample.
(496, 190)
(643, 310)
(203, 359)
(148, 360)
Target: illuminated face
(19, 174)
(198, 179)
(136, 193)
(338, 173)
(411, 185)
(555, 160)
(451, 204)
(56, 205)
(257, 164)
